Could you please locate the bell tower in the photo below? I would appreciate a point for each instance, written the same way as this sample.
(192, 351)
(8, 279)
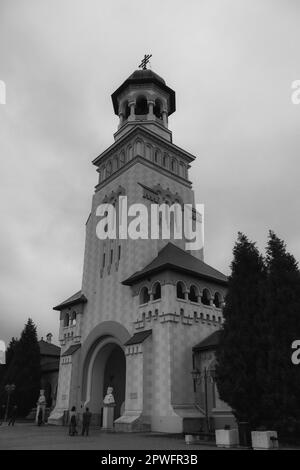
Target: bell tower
(144, 302)
(144, 99)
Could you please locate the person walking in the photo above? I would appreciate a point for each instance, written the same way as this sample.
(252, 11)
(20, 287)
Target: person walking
(86, 419)
(13, 416)
(73, 422)
(2, 414)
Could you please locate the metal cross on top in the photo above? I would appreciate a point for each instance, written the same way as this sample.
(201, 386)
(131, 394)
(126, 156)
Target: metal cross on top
(143, 64)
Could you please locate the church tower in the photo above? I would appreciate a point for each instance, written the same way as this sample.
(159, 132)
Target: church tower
(144, 303)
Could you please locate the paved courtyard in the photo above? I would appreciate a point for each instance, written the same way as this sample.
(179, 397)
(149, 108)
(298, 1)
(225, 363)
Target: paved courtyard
(29, 436)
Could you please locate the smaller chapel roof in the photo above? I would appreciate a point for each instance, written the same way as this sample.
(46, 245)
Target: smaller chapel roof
(48, 349)
(174, 258)
(138, 338)
(78, 298)
(211, 342)
(71, 350)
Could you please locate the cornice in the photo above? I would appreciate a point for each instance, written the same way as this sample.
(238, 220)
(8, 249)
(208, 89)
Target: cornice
(136, 130)
(149, 164)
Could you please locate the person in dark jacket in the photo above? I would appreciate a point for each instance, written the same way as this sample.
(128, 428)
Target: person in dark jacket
(13, 416)
(2, 414)
(73, 422)
(86, 419)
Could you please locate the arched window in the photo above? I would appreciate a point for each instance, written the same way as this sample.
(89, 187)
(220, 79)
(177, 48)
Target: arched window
(205, 297)
(66, 319)
(157, 110)
(141, 107)
(148, 152)
(157, 156)
(157, 291)
(116, 164)
(174, 165)
(130, 151)
(122, 158)
(138, 149)
(108, 169)
(217, 300)
(73, 319)
(144, 296)
(165, 160)
(180, 290)
(102, 173)
(193, 294)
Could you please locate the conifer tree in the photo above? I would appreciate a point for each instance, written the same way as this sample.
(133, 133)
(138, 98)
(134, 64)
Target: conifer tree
(24, 369)
(281, 398)
(239, 352)
(10, 350)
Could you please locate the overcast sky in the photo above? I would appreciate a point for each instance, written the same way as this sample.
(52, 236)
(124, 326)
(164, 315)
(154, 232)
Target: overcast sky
(231, 63)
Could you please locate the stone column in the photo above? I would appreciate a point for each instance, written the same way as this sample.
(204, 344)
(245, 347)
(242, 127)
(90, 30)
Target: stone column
(150, 116)
(131, 105)
(121, 116)
(165, 118)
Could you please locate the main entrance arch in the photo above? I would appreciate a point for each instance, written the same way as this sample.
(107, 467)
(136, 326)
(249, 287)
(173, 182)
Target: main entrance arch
(104, 365)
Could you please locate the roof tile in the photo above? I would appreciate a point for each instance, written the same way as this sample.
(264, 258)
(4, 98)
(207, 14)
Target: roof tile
(174, 258)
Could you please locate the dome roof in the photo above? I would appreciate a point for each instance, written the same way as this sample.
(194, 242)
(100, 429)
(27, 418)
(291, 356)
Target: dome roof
(141, 77)
(145, 75)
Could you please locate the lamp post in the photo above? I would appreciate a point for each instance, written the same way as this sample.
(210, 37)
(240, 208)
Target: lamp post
(9, 388)
(198, 377)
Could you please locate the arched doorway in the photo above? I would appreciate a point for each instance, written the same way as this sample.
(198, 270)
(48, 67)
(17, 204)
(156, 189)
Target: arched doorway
(105, 366)
(115, 376)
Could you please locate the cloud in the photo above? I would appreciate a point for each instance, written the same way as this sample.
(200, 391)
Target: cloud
(231, 64)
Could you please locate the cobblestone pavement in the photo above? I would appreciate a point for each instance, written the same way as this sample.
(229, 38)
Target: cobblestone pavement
(29, 436)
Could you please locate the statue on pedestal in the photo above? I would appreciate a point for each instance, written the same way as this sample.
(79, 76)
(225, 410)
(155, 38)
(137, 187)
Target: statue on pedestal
(108, 409)
(109, 398)
(41, 408)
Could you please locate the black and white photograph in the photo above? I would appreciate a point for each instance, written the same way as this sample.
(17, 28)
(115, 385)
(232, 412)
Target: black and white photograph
(150, 239)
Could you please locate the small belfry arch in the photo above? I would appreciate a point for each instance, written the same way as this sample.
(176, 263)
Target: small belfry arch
(180, 290)
(206, 297)
(193, 294)
(156, 290)
(141, 106)
(144, 295)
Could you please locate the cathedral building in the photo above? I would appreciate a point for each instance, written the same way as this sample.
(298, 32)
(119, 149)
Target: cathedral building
(144, 304)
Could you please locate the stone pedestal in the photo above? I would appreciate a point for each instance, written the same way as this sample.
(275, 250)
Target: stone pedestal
(264, 440)
(227, 438)
(108, 417)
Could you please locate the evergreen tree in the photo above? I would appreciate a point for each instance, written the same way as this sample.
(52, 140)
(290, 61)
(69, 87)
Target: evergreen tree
(24, 369)
(241, 342)
(281, 400)
(10, 350)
